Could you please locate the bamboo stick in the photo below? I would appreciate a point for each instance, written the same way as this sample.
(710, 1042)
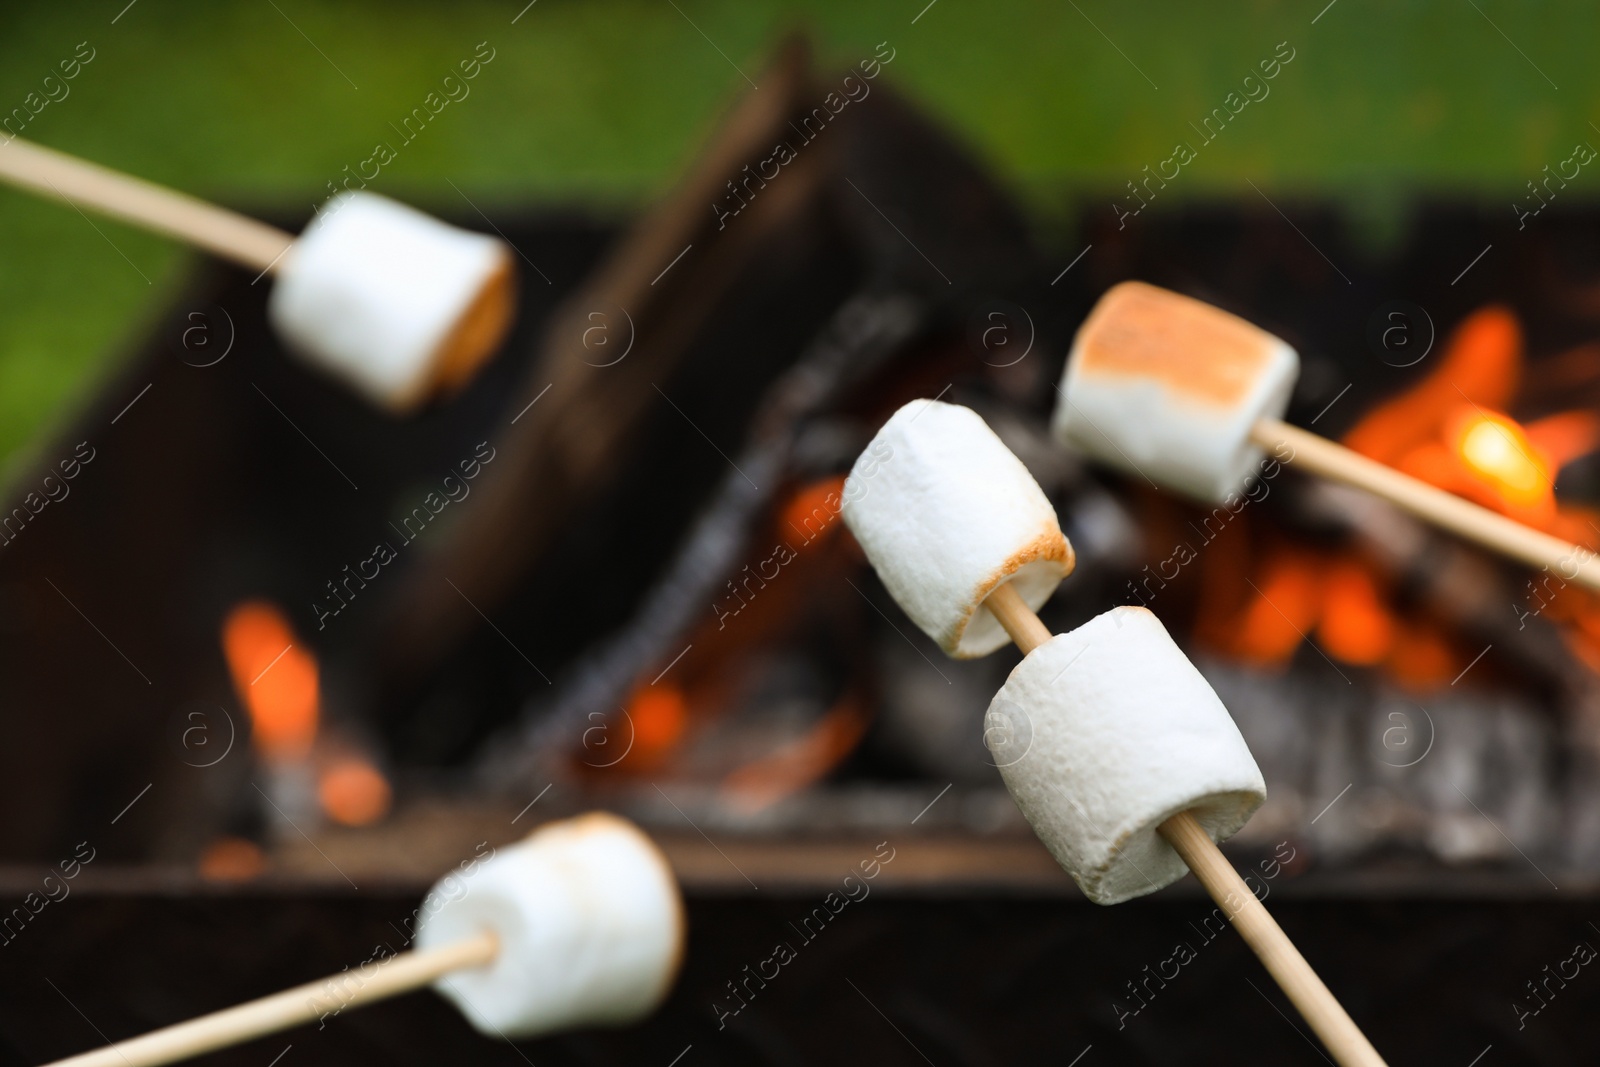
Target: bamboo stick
(153, 207)
(1255, 924)
(290, 1008)
(1445, 510)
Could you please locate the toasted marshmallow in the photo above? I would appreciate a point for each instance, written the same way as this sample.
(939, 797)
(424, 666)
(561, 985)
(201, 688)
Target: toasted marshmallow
(1101, 735)
(395, 303)
(946, 513)
(589, 922)
(1168, 388)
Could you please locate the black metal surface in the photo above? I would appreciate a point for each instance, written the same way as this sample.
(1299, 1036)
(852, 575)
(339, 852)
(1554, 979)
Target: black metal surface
(889, 980)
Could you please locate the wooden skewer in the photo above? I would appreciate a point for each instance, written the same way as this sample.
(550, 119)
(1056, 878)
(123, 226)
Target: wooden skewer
(154, 207)
(1255, 924)
(1445, 510)
(290, 1008)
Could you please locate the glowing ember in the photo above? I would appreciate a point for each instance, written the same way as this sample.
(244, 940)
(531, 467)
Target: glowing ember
(352, 792)
(275, 679)
(232, 859)
(1498, 451)
(660, 715)
(1422, 657)
(800, 763)
(811, 509)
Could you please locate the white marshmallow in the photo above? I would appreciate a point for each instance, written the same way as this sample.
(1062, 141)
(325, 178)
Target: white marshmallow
(1168, 388)
(590, 926)
(946, 513)
(375, 292)
(1103, 733)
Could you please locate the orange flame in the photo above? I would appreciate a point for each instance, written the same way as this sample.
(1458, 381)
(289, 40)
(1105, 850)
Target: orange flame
(1272, 625)
(1341, 601)
(275, 678)
(1422, 657)
(1498, 452)
(1355, 625)
(1481, 364)
(1450, 430)
(1565, 437)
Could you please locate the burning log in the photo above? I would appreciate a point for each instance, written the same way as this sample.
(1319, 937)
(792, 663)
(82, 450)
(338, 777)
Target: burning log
(863, 335)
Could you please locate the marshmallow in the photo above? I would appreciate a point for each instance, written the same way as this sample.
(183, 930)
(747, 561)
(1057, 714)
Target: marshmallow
(945, 514)
(1168, 387)
(396, 303)
(1101, 735)
(589, 922)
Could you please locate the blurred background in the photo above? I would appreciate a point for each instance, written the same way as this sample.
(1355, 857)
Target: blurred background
(642, 599)
(599, 107)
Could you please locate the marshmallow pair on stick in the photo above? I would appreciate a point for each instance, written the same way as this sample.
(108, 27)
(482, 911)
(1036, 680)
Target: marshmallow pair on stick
(579, 924)
(398, 305)
(1188, 396)
(1118, 752)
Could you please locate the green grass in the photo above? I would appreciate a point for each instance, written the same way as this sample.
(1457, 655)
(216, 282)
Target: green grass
(601, 104)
